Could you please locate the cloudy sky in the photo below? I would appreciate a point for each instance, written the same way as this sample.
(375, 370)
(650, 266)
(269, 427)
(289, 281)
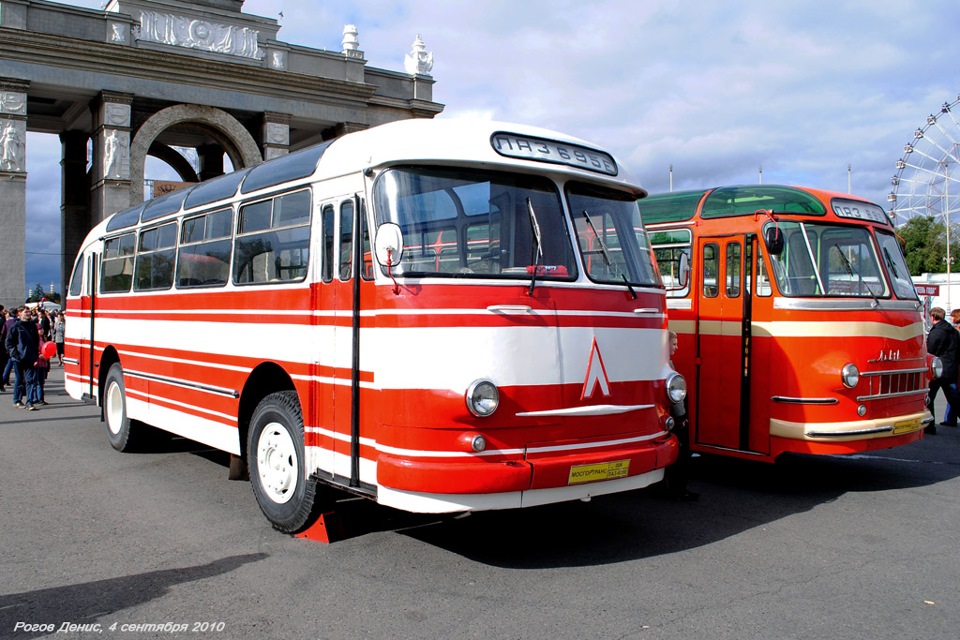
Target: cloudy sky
(715, 89)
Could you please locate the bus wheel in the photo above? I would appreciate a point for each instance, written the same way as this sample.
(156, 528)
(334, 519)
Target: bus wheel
(122, 434)
(284, 491)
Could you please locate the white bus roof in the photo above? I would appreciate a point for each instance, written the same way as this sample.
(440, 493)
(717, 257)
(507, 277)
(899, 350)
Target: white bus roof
(443, 141)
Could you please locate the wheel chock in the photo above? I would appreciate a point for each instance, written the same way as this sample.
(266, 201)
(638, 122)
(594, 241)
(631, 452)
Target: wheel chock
(327, 529)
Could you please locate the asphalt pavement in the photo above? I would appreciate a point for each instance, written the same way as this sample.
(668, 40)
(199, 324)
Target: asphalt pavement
(162, 545)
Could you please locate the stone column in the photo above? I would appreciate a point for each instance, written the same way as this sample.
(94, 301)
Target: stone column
(74, 199)
(275, 135)
(110, 173)
(13, 191)
(211, 161)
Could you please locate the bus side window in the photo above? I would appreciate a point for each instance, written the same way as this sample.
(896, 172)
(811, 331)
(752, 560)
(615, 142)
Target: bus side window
(763, 278)
(733, 270)
(346, 241)
(155, 258)
(76, 280)
(116, 269)
(711, 271)
(273, 240)
(204, 256)
(327, 230)
(668, 247)
(365, 239)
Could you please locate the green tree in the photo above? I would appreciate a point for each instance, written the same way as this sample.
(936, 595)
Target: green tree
(925, 246)
(38, 293)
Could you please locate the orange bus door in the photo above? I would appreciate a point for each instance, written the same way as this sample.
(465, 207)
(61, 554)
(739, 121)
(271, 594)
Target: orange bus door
(723, 344)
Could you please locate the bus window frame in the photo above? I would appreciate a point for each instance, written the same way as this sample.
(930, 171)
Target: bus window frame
(205, 241)
(676, 247)
(105, 258)
(143, 255)
(301, 244)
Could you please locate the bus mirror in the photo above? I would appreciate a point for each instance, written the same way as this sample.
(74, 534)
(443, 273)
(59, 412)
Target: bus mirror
(683, 270)
(389, 244)
(773, 238)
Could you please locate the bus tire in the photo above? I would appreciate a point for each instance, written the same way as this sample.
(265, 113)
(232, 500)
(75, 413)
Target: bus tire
(275, 458)
(124, 435)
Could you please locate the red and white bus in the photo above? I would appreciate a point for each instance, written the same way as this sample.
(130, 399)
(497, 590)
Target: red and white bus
(440, 315)
(798, 324)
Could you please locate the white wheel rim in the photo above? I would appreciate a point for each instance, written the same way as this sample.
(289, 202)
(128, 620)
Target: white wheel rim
(114, 408)
(277, 463)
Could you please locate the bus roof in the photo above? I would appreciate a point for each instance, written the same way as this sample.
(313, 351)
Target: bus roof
(417, 140)
(744, 200)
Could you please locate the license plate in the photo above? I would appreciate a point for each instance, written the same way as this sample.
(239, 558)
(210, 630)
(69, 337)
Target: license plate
(602, 471)
(906, 426)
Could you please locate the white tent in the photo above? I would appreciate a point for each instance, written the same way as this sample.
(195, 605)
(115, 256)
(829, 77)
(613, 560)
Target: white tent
(49, 306)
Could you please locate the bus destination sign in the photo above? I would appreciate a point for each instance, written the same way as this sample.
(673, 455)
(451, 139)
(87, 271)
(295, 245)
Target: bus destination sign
(860, 210)
(513, 145)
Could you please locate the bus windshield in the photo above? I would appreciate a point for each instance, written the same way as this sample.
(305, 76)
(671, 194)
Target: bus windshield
(612, 239)
(824, 260)
(896, 266)
(470, 223)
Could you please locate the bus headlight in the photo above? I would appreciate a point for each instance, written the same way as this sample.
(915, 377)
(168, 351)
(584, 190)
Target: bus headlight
(676, 388)
(936, 367)
(482, 398)
(850, 375)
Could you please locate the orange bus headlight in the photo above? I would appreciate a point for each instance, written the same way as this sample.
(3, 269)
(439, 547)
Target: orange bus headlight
(676, 388)
(936, 367)
(482, 398)
(850, 375)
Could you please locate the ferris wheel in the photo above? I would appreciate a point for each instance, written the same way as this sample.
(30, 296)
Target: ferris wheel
(927, 182)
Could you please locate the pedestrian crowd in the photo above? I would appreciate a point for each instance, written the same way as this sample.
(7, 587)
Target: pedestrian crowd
(24, 334)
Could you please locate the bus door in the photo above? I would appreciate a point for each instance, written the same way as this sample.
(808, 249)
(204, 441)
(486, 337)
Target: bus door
(338, 398)
(86, 335)
(723, 343)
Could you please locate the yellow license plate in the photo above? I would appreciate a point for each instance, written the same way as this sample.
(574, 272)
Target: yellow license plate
(906, 426)
(602, 471)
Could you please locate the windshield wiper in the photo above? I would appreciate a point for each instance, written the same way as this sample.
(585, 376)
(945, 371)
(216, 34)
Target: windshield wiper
(850, 272)
(535, 228)
(606, 254)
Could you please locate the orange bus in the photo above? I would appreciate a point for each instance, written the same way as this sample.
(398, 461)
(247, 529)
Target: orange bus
(439, 315)
(798, 323)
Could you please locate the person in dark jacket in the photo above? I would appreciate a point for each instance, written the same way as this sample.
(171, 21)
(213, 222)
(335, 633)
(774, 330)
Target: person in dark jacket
(23, 347)
(8, 363)
(943, 341)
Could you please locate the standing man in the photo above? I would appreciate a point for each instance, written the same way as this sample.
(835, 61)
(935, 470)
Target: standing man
(943, 341)
(23, 347)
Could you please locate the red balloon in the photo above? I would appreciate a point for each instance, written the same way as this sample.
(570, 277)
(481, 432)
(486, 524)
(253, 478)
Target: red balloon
(49, 350)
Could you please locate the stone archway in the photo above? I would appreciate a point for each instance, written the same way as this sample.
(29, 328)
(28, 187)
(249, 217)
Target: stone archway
(236, 141)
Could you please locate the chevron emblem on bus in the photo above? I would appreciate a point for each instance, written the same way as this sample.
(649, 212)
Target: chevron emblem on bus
(596, 374)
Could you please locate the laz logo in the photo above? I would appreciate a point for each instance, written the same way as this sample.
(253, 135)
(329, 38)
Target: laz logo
(596, 374)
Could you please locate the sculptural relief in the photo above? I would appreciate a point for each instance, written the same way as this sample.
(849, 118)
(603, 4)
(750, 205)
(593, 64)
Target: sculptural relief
(193, 33)
(277, 133)
(114, 154)
(13, 102)
(117, 115)
(118, 34)
(12, 147)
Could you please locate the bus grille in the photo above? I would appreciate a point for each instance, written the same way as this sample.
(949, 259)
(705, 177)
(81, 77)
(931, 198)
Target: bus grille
(894, 384)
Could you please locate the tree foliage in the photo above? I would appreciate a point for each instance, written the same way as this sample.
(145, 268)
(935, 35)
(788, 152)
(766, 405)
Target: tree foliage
(925, 246)
(38, 294)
